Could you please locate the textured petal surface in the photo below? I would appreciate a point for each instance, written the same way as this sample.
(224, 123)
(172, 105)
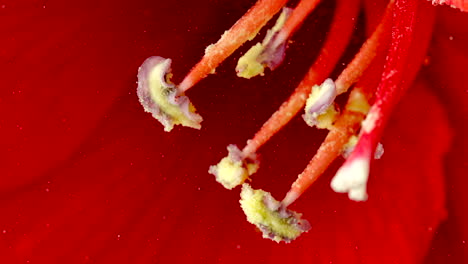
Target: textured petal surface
(447, 72)
(88, 177)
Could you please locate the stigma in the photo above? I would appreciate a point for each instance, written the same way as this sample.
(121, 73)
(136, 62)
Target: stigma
(371, 85)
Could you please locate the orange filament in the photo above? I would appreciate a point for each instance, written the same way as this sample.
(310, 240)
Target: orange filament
(244, 29)
(337, 40)
(383, 68)
(372, 46)
(349, 122)
(345, 126)
(296, 18)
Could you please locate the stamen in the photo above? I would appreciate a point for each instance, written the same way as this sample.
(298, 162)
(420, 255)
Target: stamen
(320, 102)
(170, 106)
(160, 97)
(349, 148)
(267, 214)
(270, 53)
(246, 28)
(350, 177)
(234, 169)
(366, 54)
(323, 95)
(346, 125)
(337, 40)
(167, 102)
(342, 26)
(349, 122)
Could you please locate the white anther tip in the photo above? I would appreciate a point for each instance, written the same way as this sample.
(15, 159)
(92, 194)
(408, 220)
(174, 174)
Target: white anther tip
(352, 178)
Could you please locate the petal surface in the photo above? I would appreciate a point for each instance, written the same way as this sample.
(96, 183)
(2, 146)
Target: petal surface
(88, 177)
(446, 70)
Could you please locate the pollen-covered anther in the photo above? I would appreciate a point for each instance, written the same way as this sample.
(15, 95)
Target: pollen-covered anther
(349, 147)
(352, 178)
(320, 110)
(234, 169)
(274, 220)
(270, 53)
(161, 98)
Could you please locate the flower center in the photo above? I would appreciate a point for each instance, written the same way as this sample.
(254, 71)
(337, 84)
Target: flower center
(376, 78)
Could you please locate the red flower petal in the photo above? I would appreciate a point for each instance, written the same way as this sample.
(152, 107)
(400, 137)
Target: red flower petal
(447, 72)
(91, 178)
